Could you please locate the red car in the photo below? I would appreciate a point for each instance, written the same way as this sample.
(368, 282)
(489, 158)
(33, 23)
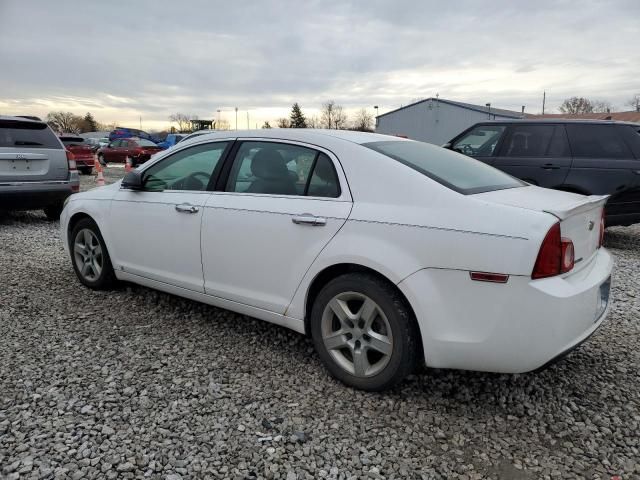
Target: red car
(81, 150)
(138, 149)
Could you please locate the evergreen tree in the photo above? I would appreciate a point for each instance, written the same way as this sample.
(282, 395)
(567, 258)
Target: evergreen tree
(266, 124)
(89, 123)
(297, 117)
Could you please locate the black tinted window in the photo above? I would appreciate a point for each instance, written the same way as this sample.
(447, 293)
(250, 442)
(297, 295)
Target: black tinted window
(14, 133)
(631, 136)
(481, 141)
(71, 141)
(535, 141)
(597, 141)
(457, 172)
(324, 180)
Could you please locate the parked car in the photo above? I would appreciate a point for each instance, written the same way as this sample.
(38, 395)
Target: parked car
(36, 171)
(97, 143)
(81, 150)
(387, 252)
(171, 140)
(138, 149)
(123, 132)
(586, 157)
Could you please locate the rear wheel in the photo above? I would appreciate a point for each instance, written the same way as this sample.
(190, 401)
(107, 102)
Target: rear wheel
(101, 159)
(364, 332)
(90, 257)
(85, 171)
(53, 211)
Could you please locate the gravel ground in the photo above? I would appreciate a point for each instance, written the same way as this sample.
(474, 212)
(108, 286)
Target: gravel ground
(137, 383)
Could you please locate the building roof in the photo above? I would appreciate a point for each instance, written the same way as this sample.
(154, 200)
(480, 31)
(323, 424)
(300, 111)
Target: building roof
(468, 106)
(630, 116)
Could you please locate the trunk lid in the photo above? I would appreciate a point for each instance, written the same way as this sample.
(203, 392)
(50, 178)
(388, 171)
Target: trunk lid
(78, 147)
(30, 151)
(579, 215)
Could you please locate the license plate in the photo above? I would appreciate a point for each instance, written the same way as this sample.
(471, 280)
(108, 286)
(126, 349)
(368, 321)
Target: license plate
(603, 298)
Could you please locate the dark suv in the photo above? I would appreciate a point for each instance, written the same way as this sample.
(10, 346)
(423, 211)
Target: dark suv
(589, 157)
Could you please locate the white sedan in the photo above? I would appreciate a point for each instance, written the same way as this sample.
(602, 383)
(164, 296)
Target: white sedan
(387, 252)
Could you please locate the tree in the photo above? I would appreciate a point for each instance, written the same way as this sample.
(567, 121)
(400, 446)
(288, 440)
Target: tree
(601, 106)
(266, 124)
(184, 125)
(635, 102)
(332, 115)
(297, 117)
(65, 122)
(363, 121)
(284, 123)
(223, 124)
(576, 106)
(89, 123)
(313, 122)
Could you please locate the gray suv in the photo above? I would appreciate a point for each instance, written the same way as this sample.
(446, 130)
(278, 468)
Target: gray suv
(590, 157)
(36, 171)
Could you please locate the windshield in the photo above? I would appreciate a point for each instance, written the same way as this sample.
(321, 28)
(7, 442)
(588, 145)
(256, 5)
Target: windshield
(16, 133)
(457, 172)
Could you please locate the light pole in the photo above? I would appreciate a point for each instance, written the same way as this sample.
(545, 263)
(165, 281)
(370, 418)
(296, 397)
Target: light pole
(375, 107)
(218, 118)
(236, 118)
(488, 105)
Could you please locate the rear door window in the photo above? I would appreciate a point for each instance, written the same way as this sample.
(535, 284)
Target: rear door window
(535, 141)
(16, 134)
(597, 141)
(480, 141)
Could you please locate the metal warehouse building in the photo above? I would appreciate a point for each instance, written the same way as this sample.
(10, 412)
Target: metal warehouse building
(436, 120)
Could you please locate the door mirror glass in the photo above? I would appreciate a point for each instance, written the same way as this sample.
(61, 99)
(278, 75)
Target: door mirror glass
(132, 181)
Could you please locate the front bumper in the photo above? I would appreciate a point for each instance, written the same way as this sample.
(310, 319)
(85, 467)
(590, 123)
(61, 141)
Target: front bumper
(510, 328)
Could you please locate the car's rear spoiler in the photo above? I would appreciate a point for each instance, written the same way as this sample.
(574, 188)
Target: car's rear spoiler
(591, 202)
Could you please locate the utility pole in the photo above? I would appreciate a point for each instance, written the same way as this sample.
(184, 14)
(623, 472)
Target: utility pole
(236, 118)
(248, 126)
(544, 99)
(140, 122)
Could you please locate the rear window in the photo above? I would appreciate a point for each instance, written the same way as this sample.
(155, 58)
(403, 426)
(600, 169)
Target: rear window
(453, 170)
(72, 141)
(597, 141)
(145, 143)
(14, 133)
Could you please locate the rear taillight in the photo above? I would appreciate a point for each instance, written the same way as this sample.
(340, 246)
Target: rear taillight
(556, 255)
(601, 241)
(71, 161)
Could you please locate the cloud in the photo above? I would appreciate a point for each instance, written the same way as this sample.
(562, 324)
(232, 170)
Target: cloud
(122, 60)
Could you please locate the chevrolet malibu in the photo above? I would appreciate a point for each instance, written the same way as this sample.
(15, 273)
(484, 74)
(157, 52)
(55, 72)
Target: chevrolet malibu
(387, 252)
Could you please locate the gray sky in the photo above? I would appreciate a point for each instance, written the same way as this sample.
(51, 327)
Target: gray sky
(125, 59)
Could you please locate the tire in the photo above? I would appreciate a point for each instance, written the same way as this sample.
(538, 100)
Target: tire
(355, 356)
(102, 161)
(53, 211)
(86, 171)
(92, 263)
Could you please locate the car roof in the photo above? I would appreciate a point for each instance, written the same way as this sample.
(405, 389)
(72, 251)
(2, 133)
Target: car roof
(20, 119)
(309, 135)
(562, 120)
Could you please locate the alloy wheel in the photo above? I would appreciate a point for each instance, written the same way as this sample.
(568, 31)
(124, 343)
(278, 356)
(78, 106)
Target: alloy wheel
(88, 256)
(357, 334)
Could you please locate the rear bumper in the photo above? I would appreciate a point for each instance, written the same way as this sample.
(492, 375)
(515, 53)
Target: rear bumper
(515, 327)
(35, 195)
(84, 162)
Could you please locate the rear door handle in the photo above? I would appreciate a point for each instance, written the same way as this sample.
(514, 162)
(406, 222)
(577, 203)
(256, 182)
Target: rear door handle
(187, 208)
(549, 166)
(308, 219)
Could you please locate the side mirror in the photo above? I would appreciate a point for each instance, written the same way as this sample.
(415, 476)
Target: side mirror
(132, 181)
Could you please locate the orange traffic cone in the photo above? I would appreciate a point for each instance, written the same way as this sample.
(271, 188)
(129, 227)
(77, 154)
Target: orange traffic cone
(100, 177)
(127, 165)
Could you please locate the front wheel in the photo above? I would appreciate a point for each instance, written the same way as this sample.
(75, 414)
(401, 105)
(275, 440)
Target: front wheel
(364, 332)
(90, 257)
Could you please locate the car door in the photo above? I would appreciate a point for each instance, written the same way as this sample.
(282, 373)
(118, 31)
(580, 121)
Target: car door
(155, 232)
(538, 154)
(110, 153)
(480, 142)
(280, 205)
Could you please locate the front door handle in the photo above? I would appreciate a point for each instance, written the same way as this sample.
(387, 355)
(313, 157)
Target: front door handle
(187, 208)
(308, 219)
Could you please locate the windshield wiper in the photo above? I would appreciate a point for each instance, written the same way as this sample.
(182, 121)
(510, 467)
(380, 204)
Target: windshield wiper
(27, 143)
